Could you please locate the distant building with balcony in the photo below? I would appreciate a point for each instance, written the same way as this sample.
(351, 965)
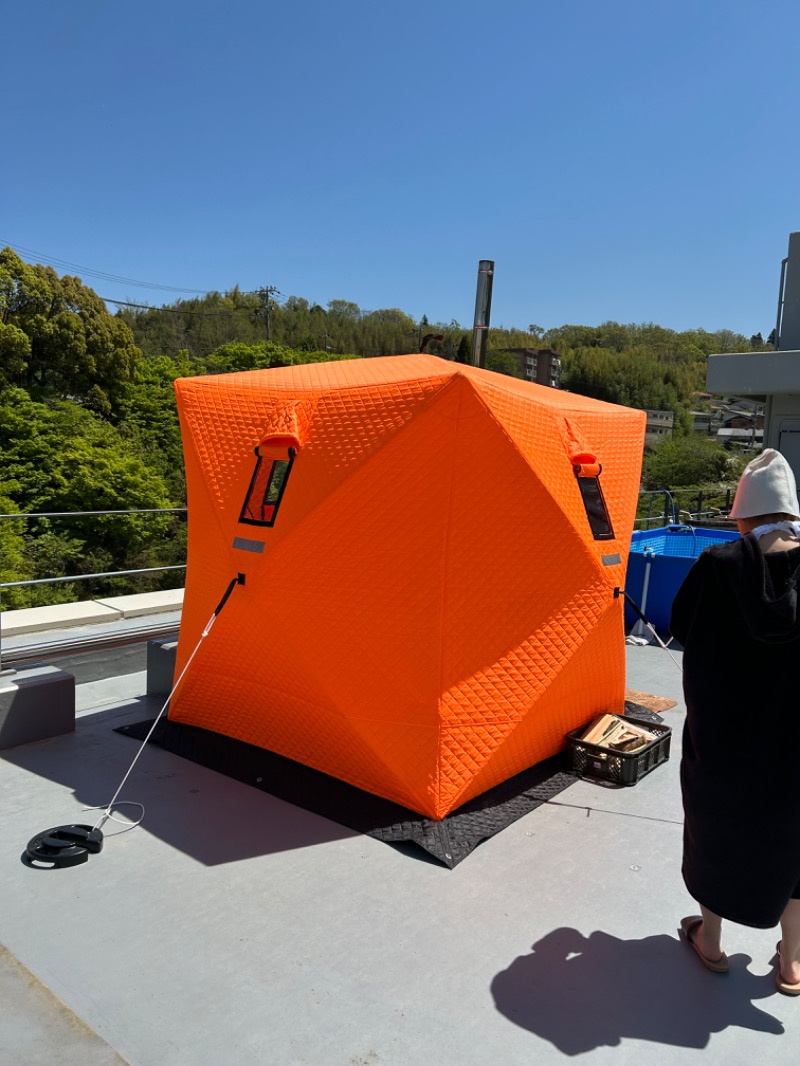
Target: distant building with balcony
(748, 438)
(704, 422)
(539, 365)
(659, 425)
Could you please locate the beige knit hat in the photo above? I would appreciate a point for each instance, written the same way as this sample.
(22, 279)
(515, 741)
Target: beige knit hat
(767, 486)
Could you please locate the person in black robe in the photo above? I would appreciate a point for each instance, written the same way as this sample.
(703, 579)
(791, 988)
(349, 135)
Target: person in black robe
(737, 617)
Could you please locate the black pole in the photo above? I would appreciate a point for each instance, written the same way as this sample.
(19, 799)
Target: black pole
(483, 310)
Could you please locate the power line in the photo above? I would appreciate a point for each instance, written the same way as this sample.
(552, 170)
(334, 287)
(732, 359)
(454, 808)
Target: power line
(103, 275)
(179, 311)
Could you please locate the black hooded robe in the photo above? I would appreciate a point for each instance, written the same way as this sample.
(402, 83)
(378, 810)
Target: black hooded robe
(736, 616)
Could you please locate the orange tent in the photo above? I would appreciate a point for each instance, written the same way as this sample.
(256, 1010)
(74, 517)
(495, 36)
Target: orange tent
(431, 553)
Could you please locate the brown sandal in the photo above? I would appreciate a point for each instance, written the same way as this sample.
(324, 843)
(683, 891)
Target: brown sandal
(691, 925)
(786, 987)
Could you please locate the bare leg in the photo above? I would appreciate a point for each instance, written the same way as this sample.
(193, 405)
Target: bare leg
(790, 943)
(708, 935)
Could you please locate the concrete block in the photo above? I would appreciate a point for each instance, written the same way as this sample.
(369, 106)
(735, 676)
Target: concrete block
(59, 616)
(36, 702)
(145, 603)
(161, 655)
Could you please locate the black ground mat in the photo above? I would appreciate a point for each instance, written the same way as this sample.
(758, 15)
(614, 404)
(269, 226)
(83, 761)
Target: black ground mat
(449, 840)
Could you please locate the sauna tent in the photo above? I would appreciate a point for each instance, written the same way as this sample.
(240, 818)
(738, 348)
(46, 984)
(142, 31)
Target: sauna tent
(431, 555)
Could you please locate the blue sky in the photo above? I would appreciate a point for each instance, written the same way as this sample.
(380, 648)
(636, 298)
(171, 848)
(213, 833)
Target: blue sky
(618, 159)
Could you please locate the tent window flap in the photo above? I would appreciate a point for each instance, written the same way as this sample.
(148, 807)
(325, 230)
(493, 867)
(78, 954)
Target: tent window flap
(267, 487)
(594, 503)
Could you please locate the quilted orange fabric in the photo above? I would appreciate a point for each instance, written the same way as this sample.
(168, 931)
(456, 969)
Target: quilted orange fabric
(430, 553)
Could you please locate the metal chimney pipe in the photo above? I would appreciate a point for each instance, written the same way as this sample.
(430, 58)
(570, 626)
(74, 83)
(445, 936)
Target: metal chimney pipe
(789, 326)
(781, 295)
(483, 310)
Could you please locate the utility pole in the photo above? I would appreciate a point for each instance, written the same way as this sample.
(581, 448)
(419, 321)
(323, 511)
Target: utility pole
(265, 296)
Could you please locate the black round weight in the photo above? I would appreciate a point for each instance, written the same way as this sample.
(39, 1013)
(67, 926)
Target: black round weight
(65, 845)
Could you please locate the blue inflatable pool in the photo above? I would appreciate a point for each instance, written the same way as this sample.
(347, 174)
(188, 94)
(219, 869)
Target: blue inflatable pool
(670, 551)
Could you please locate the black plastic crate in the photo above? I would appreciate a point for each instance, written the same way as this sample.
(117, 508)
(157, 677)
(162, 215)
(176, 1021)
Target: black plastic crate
(619, 767)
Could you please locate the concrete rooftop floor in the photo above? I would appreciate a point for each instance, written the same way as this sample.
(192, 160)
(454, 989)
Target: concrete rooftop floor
(232, 927)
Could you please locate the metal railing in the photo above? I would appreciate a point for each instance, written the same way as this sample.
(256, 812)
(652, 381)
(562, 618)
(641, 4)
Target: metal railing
(667, 514)
(685, 505)
(87, 643)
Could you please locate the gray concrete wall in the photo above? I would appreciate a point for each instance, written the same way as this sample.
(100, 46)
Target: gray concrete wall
(36, 703)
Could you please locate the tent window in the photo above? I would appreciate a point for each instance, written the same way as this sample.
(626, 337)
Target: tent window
(266, 490)
(594, 503)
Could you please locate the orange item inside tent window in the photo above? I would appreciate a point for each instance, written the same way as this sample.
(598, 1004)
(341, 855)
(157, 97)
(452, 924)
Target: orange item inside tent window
(274, 459)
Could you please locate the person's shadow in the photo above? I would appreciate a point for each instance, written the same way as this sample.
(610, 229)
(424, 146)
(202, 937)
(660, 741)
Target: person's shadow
(583, 992)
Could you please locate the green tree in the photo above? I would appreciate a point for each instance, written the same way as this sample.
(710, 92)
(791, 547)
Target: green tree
(15, 352)
(503, 363)
(13, 564)
(75, 347)
(59, 457)
(689, 460)
(344, 309)
(464, 350)
(148, 419)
